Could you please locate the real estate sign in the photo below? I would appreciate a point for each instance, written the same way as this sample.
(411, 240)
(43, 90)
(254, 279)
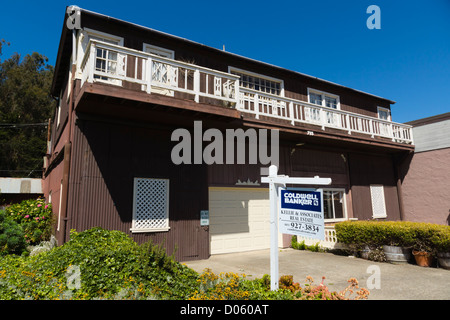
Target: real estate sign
(301, 212)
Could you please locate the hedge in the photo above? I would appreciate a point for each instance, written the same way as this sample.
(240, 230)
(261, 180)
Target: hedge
(417, 235)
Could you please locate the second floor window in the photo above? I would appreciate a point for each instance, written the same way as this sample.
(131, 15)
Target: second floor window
(331, 102)
(384, 114)
(315, 98)
(258, 82)
(106, 60)
(323, 99)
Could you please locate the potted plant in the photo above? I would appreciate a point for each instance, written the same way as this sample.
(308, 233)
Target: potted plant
(397, 242)
(423, 253)
(441, 241)
(397, 254)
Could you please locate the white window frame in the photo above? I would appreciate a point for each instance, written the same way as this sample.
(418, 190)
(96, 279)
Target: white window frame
(378, 207)
(344, 197)
(58, 111)
(385, 110)
(82, 41)
(87, 33)
(69, 86)
(232, 69)
(324, 94)
(60, 206)
(134, 228)
(160, 51)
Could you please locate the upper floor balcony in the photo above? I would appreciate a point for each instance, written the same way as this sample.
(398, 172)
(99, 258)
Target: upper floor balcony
(151, 73)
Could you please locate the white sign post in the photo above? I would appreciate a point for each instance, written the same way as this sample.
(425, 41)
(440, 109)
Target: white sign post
(276, 181)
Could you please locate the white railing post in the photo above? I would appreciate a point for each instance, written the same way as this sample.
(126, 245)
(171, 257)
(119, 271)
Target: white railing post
(256, 105)
(91, 64)
(371, 128)
(291, 112)
(410, 135)
(148, 74)
(274, 104)
(237, 95)
(323, 118)
(392, 132)
(347, 123)
(197, 85)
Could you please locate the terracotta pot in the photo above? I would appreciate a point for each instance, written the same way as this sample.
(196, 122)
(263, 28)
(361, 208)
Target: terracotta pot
(423, 258)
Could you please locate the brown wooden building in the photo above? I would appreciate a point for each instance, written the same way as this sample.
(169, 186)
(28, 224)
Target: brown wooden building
(123, 89)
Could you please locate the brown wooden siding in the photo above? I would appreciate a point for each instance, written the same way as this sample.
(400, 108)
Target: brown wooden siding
(373, 169)
(57, 130)
(106, 158)
(294, 161)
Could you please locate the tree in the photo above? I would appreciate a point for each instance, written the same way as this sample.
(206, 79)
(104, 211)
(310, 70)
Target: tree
(25, 107)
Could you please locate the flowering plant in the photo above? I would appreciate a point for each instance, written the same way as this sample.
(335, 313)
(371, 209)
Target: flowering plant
(35, 218)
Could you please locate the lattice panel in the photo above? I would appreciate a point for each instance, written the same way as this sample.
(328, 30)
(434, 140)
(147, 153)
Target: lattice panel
(164, 74)
(378, 203)
(151, 207)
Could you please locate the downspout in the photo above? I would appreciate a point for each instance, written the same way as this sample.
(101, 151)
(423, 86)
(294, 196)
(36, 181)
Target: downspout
(397, 164)
(68, 144)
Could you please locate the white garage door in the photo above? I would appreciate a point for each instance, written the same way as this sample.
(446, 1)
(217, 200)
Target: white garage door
(239, 219)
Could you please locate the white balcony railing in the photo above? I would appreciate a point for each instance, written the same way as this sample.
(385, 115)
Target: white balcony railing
(115, 64)
(329, 242)
(265, 104)
(104, 62)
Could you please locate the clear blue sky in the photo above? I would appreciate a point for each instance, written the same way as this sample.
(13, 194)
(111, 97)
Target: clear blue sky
(407, 60)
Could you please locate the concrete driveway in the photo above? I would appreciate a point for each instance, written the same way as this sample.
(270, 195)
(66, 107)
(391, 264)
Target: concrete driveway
(396, 281)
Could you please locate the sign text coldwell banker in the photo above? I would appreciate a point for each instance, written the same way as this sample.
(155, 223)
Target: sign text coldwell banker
(301, 212)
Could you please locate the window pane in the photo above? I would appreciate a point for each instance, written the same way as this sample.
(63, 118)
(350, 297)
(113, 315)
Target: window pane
(338, 198)
(333, 204)
(327, 205)
(101, 53)
(100, 65)
(258, 84)
(383, 114)
(112, 55)
(112, 67)
(315, 98)
(331, 102)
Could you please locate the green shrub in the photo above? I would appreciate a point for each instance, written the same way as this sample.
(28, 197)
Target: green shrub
(431, 237)
(302, 246)
(108, 264)
(297, 245)
(12, 240)
(35, 218)
(417, 235)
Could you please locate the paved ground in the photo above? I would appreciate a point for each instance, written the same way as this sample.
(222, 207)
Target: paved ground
(397, 281)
